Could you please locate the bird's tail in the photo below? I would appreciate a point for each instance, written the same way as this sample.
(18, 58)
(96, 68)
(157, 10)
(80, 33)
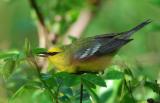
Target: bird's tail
(127, 34)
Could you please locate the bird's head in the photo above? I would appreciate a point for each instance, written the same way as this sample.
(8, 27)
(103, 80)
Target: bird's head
(55, 49)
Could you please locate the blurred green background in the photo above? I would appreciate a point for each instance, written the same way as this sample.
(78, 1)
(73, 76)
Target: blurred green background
(17, 23)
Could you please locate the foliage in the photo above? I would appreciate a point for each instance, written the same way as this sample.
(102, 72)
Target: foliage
(64, 87)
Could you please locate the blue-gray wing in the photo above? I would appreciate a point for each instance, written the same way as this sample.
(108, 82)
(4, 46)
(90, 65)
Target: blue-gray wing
(98, 46)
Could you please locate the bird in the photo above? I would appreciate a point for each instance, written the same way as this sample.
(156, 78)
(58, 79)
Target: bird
(90, 54)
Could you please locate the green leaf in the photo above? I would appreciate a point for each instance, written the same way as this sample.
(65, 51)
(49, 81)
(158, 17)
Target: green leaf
(114, 74)
(68, 79)
(46, 76)
(127, 98)
(153, 85)
(34, 84)
(64, 99)
(21, 56)
(8, 68)
(42, 96)
(106, 96)
(39, 50)
(49, 79)
(122, 90)
(27, 47)
(90, 84)
(18, 92)
(94, 79)
(92, 93)
(86, 95)
(10, 54)
(128, 72)
(66, 90)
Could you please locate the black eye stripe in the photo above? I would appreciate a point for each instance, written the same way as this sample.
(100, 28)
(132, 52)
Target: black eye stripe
(45, 54)
(52, 53)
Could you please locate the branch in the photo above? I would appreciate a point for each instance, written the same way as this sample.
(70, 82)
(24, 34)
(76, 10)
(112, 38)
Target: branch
(42, 29)
(39, 15)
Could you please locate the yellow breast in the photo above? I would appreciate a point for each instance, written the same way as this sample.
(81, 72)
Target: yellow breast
(61, 62)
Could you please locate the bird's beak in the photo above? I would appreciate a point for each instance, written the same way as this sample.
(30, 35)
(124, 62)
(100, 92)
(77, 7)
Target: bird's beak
(47, 54)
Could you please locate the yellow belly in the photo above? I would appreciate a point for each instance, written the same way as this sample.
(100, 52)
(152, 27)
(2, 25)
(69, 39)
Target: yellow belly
(95, 65)
(63, 64)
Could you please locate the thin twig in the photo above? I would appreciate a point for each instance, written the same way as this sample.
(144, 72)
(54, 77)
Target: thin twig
(81, 92)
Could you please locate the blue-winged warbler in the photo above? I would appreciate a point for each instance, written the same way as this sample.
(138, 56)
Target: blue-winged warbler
(92, 54)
